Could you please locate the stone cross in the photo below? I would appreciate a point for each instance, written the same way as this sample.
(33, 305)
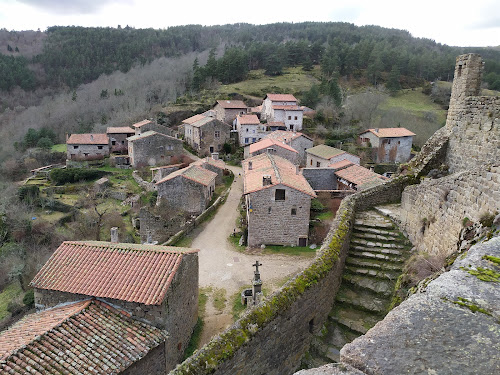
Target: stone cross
(256, 265)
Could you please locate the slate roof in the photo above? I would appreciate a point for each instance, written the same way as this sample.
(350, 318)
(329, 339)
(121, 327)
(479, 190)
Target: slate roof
(390, 132)
(150, 133)
(282, 172)
(141, 123)
(360, 176)
(192, 119)
(120, 130)
(232, 104)
(127, 272)
(248, 120)
(281, 97)
(194, 173)
(324, 151)
(86, 337)
(285, 136)
(267, 142)
(88, 139)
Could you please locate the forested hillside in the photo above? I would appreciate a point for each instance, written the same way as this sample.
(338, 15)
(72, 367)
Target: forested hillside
(76, 55)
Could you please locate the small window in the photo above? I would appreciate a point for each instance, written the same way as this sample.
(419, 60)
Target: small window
(217, 134)
(279, 195)
(75, 147)
(289, 117)
(113, 143)
(246, 140)
(318, 164)
(294, 211)
(269, 210)
(99, 147)
(311, 162)
(399, 142)
(295, 117)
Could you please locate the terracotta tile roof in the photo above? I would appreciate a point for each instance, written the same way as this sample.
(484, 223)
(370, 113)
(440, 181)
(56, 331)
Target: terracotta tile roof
(324, 151)
(165, 167)
(194, 173)
(281, 97)
(141, 123)
(248, 119)
(88, 139)
(341, 164)
(268, 142)
(120, 130)
(216, 163)
(128, 272)
(360, 176)
(287, 107)
(232, 104)
(88, 337)
(285, 136)
(257, 109)
(390, 132)
(192, 119)
(208, 120)
(282, 172)
(150, 133)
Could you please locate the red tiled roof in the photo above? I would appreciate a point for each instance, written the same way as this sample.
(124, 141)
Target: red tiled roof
(390, 132)
(248, 119)
(141, 123)
(128, 272)
(287, 107)
(341, 164)
(282, 172)
(281, 97)
(120, 130)
(285, 136)
(88, 139)
(192, 119)
(87, 337)
(360, 176)
(232, 104)
(267, 142)
(194, 173)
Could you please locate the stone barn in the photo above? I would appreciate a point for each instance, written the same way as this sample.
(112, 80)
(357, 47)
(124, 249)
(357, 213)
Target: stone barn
(152, 148)
(227, 110)
(82, 147)
(131, 308)
(322, 156)
(392, 145)
(207, 135)
(278, 201)
(215, 165)
(118, 138)
(189, 189)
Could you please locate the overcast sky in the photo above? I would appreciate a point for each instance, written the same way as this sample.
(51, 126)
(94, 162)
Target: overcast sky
(456, 23)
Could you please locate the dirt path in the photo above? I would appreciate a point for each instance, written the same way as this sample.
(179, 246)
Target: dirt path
(221, 266)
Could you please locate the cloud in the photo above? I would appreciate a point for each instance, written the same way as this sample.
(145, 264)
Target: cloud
(71, 7)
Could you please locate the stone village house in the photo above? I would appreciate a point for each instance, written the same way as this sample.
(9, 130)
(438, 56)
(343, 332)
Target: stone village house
(118, 138)
(278, 201)
(227, 110)
(351, 176)
(207, 135)
(322, 156)
(107, 308)
(189, 189)
(152, 148)
(148, 125)
(87, 147)
(392, 145)
(298, 141)
(273, 147)
(283, 108)
(249, 128)
(215, 165)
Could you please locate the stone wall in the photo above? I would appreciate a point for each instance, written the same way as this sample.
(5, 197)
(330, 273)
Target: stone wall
(271, 221)
(87, 152)
(321, 178)
(212, 138)
(284, 153)
(152, 364)
(159, 228)
(154, 149)
(184, 194)
(433, 211)
(301, 144)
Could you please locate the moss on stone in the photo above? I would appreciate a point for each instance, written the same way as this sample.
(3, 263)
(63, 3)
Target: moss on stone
(493, 259)
(484, 274)
(470, 305)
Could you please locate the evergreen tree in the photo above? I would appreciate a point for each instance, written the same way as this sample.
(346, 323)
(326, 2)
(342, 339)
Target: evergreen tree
(393, 84)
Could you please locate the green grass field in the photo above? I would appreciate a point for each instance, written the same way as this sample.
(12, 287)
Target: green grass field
(61, 147)
(8, 294)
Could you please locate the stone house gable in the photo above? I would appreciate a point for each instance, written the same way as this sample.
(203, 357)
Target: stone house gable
(299, 141)
(249, 129)
(118, 138)
(91, 146)
(207, 135)
(152, 148)
(276, 148)
(227, 110)
(276, 99)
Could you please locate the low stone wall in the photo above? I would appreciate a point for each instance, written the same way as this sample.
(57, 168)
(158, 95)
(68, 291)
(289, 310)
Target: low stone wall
(433, 212)
(148, 186)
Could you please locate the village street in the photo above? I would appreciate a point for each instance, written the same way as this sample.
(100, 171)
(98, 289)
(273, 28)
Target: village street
(222, 267)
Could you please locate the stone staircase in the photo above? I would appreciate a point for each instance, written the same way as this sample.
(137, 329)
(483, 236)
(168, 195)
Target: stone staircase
(375, 260)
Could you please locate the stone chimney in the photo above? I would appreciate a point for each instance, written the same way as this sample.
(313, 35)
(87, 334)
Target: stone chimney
(114, 235)
(266, 180)
(376, 130)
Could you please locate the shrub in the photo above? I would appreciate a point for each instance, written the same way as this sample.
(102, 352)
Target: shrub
(486, 219)
(29, 298)
(316, 205)
(70, 175)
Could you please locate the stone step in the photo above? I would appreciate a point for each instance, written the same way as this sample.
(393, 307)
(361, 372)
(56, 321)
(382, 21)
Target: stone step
(356, 320)
(369, 254)
(379, 286)
(373, 263)
(358, 223)
(379, 250)
(321, 353)
(373, 236)
(362, 299)
(379, 274)
(374, 230)
(337, 336)
(373, 244)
